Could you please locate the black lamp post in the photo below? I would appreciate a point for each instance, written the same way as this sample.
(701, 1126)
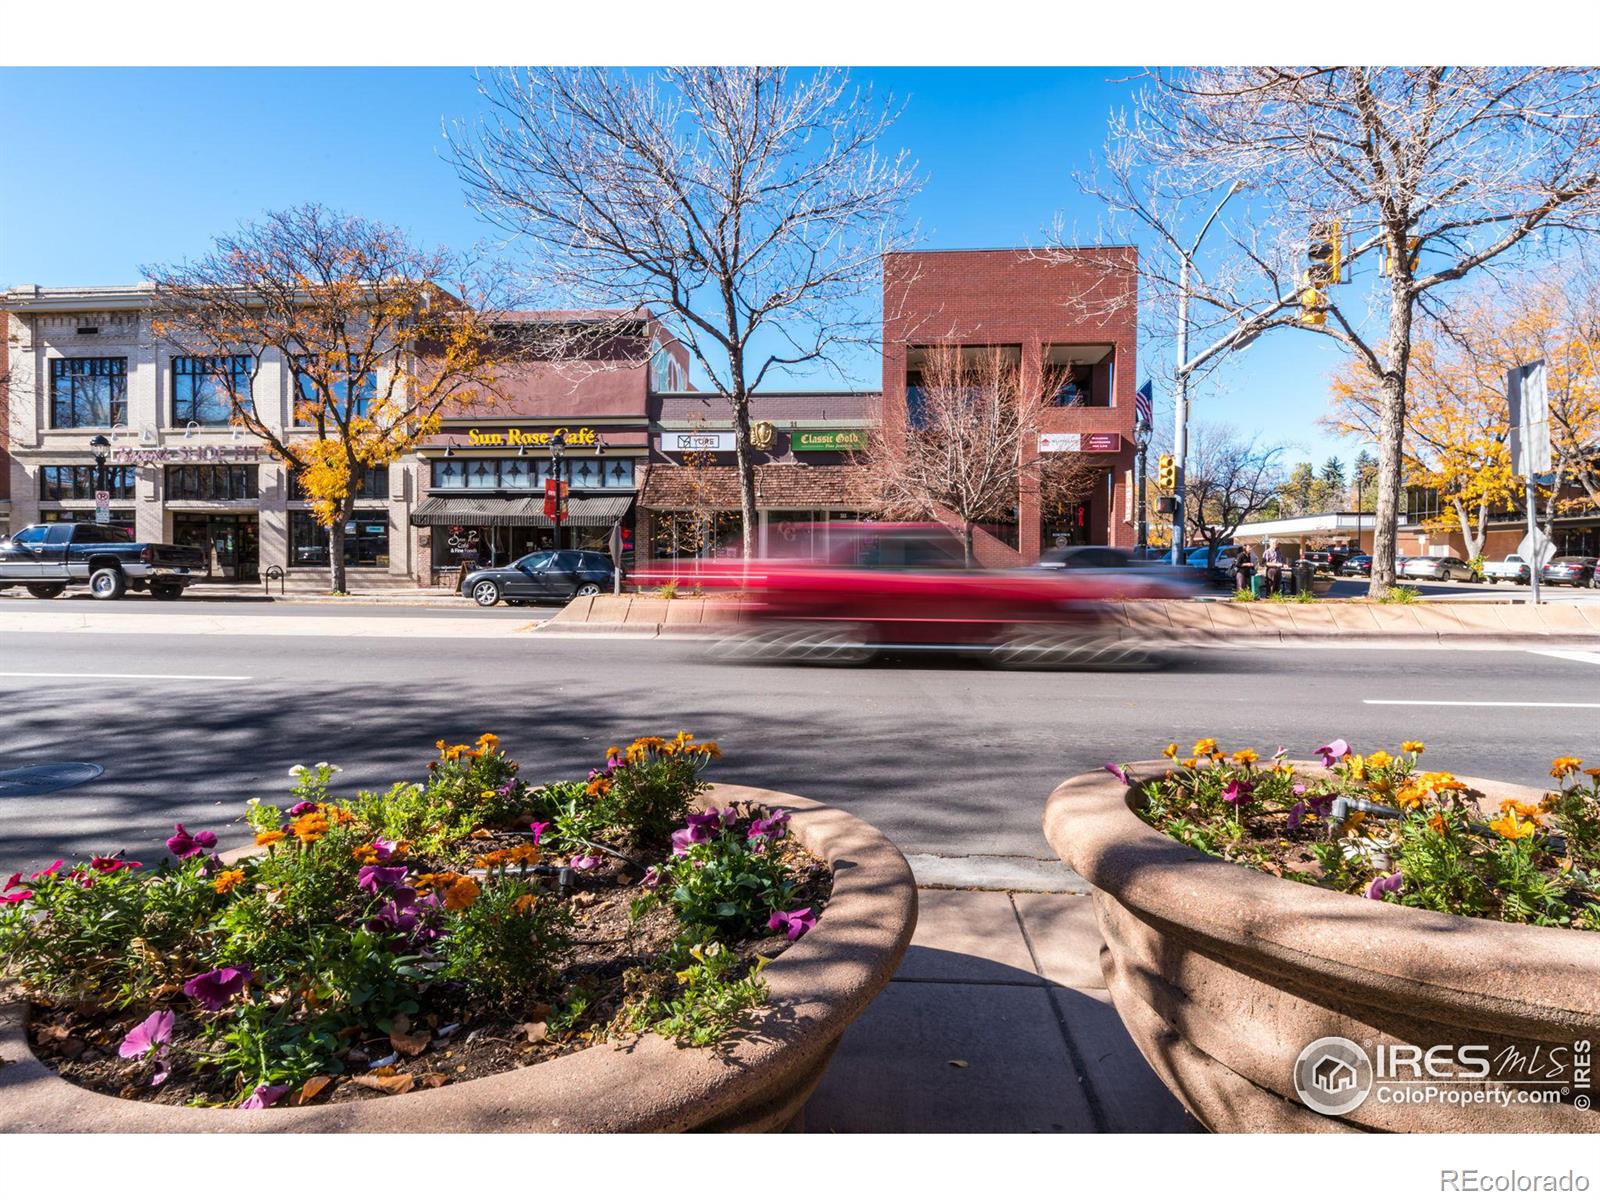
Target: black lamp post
(1141, 439)
(101, 447)
(558, 446)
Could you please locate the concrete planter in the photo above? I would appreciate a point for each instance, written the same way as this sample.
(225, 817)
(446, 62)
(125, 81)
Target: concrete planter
(759, 1084)
(1223, 975)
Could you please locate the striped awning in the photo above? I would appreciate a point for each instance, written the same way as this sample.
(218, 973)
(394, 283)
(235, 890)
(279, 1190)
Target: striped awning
(596, 512)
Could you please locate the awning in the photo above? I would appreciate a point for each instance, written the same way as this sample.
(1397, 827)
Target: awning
(596, 512)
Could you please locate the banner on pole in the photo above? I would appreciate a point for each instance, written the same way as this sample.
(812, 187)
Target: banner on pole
(1529, 406)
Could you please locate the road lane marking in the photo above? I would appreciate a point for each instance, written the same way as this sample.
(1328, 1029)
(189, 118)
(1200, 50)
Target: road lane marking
(1489, 703)
(107, 675)
(1583, 656)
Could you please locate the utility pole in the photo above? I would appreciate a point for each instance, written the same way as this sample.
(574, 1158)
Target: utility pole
(1180, 387)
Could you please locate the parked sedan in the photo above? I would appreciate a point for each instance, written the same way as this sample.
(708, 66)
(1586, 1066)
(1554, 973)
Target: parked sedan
(1572, 569)
(1437, 566)
(1356, 564)
(542, 575)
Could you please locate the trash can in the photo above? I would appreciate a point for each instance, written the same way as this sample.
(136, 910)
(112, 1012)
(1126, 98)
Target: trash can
(1304, 573)
(1258, 586)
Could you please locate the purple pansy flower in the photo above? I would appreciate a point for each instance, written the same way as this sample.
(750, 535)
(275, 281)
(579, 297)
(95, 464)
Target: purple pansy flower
(774, 826)
(186, 845)
(652, 878)
(1333, 751)
(1322, 806)
(1384, 885)
(110, 866)
(1121, 775)
(264, 1096)
(584, 861)
(302, 808)
(212, 990)
(682, 839)
(1239, 791)
(153, 1037)
(792, 924)
(538, 828)
(375, 879)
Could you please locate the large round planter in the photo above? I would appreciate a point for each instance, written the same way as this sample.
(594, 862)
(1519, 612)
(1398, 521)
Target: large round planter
(757, 1084)
(1223, 975)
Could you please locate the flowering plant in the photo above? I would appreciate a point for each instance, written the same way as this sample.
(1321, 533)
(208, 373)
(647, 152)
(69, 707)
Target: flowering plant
(1377, 825)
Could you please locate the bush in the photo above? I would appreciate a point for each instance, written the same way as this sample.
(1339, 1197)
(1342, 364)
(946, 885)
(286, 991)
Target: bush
(1400, 593)
(724, 879)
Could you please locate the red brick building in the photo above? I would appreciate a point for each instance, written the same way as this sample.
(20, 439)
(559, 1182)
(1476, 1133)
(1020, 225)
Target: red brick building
(1075, 313)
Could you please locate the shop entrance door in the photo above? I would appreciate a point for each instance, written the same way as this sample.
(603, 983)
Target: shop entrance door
(232, 543)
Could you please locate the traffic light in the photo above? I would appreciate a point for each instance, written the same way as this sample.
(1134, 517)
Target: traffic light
(1166, 473)
(1326, 254)
(1413, 253)
(1313, 306)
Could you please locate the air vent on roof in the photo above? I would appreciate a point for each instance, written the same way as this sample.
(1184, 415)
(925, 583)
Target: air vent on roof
(88, 329)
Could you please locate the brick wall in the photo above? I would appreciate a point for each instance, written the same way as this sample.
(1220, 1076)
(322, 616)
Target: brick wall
(1015, 297)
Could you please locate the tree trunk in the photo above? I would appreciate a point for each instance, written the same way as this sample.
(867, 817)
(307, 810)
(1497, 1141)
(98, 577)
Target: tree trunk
(746, 468)
(1391, 432)
(336, 576)
(966, 541)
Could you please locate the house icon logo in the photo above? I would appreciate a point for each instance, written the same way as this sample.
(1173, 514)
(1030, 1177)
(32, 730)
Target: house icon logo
(1332, 1076)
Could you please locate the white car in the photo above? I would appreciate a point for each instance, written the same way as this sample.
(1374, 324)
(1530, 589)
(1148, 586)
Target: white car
(1437, 566)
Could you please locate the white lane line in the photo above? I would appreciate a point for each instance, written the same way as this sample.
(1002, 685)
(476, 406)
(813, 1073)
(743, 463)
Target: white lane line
(1488, 703)
(1583, 656)
(106, 675)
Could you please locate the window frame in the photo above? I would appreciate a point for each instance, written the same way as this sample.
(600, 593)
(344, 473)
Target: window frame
(118, 398)
(213, 368)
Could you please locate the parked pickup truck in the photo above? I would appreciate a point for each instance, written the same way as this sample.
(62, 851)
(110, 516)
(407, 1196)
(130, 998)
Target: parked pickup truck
(46, 558)
(1511, 569)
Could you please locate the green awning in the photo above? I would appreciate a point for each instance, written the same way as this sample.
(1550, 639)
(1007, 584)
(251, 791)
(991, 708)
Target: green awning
(595, 512)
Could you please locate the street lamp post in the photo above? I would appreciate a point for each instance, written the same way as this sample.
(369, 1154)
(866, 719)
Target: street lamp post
(558, 446)
(100, 445)
(1141, 439)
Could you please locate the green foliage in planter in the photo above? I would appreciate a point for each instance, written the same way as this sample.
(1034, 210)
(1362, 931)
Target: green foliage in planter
(726, 884)
(701, 1003)
(502, 948)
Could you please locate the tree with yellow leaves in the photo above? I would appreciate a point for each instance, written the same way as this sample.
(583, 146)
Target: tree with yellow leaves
(1455, 430)
(380, 338)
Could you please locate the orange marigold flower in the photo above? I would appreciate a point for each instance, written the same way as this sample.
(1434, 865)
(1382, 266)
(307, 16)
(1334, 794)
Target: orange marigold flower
(1512, 829)
(523, 903)
(270, 837)
(1171, 751)
(1380, 759)
(1437, 823)
(1520, 808)
(1190, 764)
(709, 749)
(462, 894)
(1592, 772)
(1246, 756)
(1410, 795)
(310, 827)
(227, 881)
(1565, 765)
(1412, 747)
(598, 786)
(1205, 747)
(488, 741)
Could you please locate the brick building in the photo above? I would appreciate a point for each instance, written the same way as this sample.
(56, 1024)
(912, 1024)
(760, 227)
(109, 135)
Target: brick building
(1075, 314)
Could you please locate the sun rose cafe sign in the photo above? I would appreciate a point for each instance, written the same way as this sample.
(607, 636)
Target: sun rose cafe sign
(583, 436)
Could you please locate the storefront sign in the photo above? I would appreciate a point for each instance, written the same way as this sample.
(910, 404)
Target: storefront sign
(697, 440)
(186, 454)
(763, 434)
(820, 440)
(1085, 443)
(583, 436)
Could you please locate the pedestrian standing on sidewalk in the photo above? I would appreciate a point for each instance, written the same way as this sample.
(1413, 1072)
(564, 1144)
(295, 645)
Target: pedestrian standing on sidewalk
(1244, 567)
(1272, 562)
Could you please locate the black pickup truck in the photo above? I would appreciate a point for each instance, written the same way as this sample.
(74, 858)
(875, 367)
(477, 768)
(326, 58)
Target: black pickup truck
(46, 558)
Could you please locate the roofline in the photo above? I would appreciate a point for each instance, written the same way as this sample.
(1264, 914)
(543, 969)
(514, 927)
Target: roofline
(30, 297)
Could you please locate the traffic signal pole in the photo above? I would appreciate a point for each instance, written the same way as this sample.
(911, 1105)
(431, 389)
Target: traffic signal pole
(1180, 397)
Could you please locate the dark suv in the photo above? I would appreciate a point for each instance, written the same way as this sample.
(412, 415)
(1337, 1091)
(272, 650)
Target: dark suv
(1328, 561)
(542, 575)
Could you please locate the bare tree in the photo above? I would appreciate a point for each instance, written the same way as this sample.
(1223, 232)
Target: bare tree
(969, 446)
(748, 208)
(1231, 479)
(380, 338)
(1438, 172)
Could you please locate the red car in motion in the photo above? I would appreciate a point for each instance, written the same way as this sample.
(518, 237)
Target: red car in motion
(881, 586)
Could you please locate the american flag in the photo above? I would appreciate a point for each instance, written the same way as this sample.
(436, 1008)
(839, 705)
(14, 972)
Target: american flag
(1144, 405)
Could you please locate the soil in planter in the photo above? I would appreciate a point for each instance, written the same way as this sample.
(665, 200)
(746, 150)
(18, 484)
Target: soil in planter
(446, 1043)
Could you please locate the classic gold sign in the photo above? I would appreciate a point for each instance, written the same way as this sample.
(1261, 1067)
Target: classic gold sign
(763, 435)
(583, 436)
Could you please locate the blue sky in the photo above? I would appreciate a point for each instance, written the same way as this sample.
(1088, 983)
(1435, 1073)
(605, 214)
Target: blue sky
(127, 166)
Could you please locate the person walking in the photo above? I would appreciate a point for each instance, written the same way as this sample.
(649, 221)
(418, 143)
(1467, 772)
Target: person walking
(1272, 561)
(1244, 566)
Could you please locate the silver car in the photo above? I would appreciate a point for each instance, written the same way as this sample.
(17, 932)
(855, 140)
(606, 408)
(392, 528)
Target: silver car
(1437, 566)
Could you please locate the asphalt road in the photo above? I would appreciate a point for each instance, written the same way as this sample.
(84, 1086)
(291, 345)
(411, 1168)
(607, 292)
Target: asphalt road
(947, 757)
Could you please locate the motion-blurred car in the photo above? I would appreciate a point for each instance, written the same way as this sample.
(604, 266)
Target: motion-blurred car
(1356, 564)
(906, 587)
(543, 575)
(1574, 570)
(1513, 568)
(1436, 566)
(1124, 573)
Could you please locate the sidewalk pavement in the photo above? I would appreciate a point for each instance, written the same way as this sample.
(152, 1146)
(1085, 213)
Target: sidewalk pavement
(998, 1021)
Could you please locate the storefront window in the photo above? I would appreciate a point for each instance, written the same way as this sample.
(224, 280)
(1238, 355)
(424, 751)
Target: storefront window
(121, 519)
(211, 483)
(530, 474)
(699, 535)
(88, 392)
(371, 484)
(366, 540)
(78, 483)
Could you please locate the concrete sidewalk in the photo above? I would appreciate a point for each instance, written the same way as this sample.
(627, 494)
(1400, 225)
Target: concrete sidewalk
(998, 1021)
